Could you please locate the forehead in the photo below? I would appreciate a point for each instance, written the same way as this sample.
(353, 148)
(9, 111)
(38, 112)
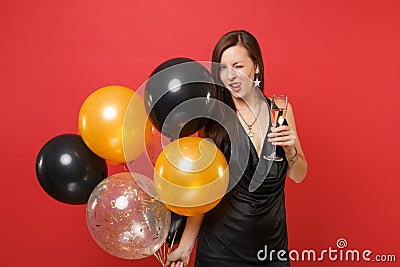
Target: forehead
(235, 54)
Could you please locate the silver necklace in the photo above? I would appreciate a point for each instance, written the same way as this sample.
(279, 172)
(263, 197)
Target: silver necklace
(250, 133)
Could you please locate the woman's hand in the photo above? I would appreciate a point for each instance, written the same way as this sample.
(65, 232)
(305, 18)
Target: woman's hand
(178, 258)
(286, 136)
(282, 136)
(181, 255)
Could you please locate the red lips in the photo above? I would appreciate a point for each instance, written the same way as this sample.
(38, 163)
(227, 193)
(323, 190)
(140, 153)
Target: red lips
(235, 86)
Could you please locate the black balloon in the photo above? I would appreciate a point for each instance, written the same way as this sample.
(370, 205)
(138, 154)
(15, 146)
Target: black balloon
(173, 83)
(178, 223)
(68, 170)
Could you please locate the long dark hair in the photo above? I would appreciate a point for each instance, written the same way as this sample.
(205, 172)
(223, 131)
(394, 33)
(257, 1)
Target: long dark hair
(238, 37)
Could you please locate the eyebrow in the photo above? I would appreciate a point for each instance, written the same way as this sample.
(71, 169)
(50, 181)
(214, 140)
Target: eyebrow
(237, 62)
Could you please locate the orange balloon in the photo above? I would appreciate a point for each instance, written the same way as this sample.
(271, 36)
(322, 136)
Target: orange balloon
(112, 123)
(195, 210)
(191, 176)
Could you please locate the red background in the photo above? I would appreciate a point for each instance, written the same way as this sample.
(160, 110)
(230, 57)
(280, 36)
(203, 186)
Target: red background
(339, 62)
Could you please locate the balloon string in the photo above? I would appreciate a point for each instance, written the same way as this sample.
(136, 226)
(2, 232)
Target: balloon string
(158, 257)
(160, 254)
(164, 252)
(172, 242)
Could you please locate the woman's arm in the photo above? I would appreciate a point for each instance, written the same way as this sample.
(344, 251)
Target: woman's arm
(286, 136)
(181, 255)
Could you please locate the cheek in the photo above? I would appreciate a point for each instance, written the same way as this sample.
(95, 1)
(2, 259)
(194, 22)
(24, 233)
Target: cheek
(246, 75)
(251, 75)
(223, 77)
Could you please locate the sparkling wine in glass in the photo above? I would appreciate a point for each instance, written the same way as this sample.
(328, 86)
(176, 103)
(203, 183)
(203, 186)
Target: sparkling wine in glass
(278, 110)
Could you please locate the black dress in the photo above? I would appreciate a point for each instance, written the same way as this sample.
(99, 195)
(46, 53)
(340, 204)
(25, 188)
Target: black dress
(248, 228)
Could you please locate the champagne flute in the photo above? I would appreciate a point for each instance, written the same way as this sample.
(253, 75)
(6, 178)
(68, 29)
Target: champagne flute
(278, 107)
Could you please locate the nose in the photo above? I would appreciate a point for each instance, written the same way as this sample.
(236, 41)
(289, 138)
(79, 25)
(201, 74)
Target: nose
(231, 73)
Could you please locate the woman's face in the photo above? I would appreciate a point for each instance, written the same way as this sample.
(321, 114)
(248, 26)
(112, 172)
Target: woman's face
(237, 71)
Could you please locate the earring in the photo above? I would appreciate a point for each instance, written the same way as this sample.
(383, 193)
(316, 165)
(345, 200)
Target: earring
(257, 81)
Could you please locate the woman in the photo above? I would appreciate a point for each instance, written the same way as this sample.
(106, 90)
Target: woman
(248, 226)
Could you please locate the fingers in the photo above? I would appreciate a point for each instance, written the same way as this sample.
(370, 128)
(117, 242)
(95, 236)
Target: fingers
(178, 263)
(283, 144)
(171, 258)
(176, 259)
(282, 136)
(280, 129)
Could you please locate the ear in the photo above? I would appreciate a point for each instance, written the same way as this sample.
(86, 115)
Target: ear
(257, 70)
